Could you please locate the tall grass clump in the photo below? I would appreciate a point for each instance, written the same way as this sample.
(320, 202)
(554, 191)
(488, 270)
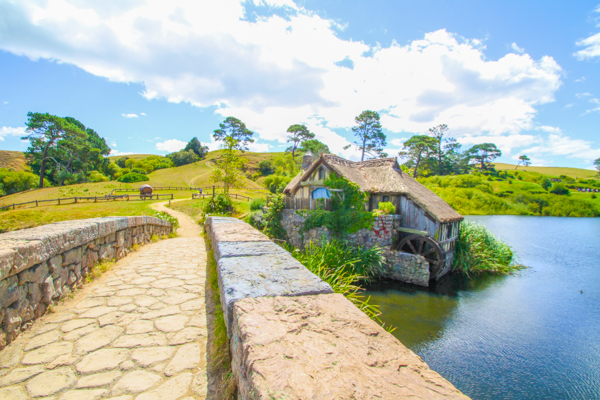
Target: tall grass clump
(343, 267)
(257, 204)
(478, 250)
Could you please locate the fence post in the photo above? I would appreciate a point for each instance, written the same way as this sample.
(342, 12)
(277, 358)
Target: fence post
(13, 206)
(75, 199)
(95, 199)
(36, 203)
(213, 191)
(58, 201)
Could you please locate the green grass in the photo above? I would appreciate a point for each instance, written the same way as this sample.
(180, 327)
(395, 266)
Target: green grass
(193, 208)
(31, 217)
(479, 251)
(554, 171)
(219, 360)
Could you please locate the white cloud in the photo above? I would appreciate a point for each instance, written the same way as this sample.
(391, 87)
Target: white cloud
(171, 145)
(550, 129)
(280, 71)
(582, 79)
(144, 114)
(516, 48)
(114, 152)
(9, 131)
(259, 147)
(6, 102)
(113, 144)
(591, 44)
(596, 107)
(130, 115)
(558, 144)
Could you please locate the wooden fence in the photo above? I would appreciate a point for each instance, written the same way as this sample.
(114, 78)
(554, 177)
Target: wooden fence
(95, 199)
(232, 195)
(294, 203)
(197, 189)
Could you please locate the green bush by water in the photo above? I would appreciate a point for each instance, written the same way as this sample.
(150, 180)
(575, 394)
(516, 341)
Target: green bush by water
(478, 250)
(343, 267)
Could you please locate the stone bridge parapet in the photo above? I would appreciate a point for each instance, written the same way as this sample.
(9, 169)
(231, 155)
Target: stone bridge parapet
(40, 265)
(291, 337)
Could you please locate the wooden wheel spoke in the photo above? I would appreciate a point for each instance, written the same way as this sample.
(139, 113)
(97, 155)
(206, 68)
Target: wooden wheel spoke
(421, 245)
(432, 250)
(414, 251)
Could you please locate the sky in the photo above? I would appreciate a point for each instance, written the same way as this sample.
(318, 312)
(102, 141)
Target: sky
(148, 75)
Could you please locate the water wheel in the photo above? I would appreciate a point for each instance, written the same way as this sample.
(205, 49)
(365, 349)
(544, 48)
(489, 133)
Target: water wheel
(426, 247)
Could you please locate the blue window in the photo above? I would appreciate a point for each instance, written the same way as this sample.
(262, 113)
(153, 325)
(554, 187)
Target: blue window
(321, 193)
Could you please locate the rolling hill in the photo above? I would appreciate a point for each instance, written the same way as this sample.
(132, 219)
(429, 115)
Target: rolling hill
(13, 160)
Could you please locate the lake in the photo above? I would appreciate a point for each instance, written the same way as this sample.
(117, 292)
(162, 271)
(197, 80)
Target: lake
(532, 335)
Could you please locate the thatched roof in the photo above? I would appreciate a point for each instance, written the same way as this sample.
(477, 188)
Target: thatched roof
(382, 175)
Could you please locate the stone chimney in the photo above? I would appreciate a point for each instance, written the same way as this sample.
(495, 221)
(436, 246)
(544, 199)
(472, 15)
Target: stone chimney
(307, 160)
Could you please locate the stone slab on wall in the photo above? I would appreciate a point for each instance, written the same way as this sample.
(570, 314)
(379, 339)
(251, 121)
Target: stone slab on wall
(323, 347)
(40, 265)
(250, 265)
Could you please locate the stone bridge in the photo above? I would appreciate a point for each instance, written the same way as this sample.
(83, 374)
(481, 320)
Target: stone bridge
(141, 330)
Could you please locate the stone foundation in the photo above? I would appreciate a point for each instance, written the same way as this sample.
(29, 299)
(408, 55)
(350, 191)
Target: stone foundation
(399, 266)
(38, 266)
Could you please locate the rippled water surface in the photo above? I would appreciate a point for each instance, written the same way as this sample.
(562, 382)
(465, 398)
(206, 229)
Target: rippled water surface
(534, 335)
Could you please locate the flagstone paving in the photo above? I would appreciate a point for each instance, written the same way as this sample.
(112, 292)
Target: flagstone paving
(139, 332)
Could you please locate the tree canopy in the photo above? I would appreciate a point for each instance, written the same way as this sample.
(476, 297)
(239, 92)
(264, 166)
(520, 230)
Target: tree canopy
(228, 168)
(597, 164)
(523, 159)
(484, 153)
(416, 149)
(63, 149)
(196, 146)
(315, 147)
(299, 134)
(371, 139)
(448, 159)
(235, 129)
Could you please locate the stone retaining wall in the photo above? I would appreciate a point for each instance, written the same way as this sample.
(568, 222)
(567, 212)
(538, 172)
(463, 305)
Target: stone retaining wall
(399, 266)
(292, 338)
(40, 265)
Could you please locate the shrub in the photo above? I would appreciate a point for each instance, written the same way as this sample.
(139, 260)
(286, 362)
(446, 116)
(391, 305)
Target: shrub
(257, 204)
(560, 189)
(266, 167)
(220, 204)
(133, 177)
(256, 218)
(165, 216)
(387, 207)
(13, 182)
(273, 227)
(478, 250)
(96, 176)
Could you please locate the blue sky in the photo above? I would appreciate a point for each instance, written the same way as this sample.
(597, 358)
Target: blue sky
(149, 75)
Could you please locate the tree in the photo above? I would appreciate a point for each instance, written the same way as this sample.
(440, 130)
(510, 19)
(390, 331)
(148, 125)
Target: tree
(597, 164)
(315, 147)
(417, 148)
(45, 131)
(484, 153)
(371, 139)
(266, 167)
(196, 146)
(235, 129)
(183, 157)
(299, 134)
(523, 159)
(546, 184)
(228, 168)
(448, 158)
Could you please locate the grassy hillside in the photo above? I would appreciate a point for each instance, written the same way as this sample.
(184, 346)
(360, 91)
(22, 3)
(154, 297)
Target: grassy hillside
(191, 175)
(576, 173)
(13, 160)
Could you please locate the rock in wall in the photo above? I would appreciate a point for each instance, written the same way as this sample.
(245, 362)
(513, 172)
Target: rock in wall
(40, 265)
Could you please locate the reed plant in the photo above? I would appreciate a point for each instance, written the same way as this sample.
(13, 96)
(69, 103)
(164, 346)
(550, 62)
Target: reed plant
(478, 250)
(343, 268)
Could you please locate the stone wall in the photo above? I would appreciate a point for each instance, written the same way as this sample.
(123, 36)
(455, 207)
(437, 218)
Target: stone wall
(40, 265)
(399, 266)
(292, 338)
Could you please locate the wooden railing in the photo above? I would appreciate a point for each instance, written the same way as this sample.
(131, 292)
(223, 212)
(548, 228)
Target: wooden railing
(295, 203)
(232, 195)
(95, 199)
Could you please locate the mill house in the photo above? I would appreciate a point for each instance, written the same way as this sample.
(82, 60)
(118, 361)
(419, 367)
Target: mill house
(428, 225)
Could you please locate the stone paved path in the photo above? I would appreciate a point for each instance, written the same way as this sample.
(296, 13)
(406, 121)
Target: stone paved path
(140, 331)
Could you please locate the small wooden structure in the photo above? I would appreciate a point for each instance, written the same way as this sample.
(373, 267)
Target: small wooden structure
(429, 225)
(145, 191)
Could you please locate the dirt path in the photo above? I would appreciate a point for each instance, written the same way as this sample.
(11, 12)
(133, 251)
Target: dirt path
(139, 331)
